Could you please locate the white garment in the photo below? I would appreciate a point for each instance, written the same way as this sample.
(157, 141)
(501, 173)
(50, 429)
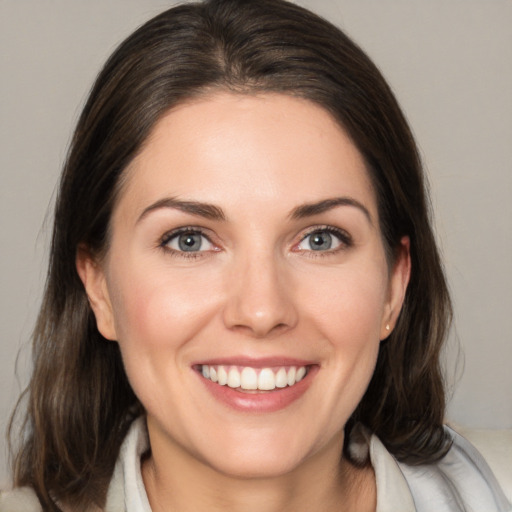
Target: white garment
(460, 482)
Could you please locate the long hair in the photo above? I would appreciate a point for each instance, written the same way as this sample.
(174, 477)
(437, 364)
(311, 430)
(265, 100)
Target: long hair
(79, 401)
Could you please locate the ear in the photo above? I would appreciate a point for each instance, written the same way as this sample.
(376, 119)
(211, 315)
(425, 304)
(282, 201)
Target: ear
(399, 279)
(93, 277)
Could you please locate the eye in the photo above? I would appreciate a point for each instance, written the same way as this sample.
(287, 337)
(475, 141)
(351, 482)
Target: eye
(187, 241)
(325, 239)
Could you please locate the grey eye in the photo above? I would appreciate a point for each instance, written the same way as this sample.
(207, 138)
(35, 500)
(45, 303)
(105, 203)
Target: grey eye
(320, 241)
(323, 240)
(189, 241)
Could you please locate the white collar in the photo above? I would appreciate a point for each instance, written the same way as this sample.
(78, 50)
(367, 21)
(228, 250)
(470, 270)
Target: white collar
(127, 493)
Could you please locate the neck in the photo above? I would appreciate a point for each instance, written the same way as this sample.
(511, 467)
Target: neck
(323, 482)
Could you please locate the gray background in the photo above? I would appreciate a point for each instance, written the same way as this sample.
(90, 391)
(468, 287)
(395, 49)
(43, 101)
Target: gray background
(450, 64)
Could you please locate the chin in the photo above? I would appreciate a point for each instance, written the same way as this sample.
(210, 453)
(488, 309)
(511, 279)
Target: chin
(260, 456)
(255, 466)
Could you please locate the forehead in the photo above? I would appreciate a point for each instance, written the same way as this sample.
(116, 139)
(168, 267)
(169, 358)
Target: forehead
(242, 150)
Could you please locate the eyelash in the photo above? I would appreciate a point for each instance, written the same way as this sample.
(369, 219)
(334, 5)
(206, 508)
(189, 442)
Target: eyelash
(189, 230)
(343, 237)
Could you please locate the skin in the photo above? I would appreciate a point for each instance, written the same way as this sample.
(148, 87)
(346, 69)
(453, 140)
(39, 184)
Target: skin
(256, 289)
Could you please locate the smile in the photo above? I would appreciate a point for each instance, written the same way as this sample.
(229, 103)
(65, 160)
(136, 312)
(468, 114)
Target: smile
(247, 378)
(263, 385)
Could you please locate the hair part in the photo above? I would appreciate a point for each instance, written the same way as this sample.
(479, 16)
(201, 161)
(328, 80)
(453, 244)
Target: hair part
(79, 401)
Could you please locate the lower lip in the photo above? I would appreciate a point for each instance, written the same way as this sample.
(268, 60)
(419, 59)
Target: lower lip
(264, 401)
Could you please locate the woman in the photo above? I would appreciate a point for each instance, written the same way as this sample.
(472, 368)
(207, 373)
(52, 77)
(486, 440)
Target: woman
(245, 305)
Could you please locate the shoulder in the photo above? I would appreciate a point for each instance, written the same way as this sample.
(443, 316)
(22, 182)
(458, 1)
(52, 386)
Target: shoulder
(24, 499)
(126, 485)
(462, 480)
(496, 447)
(21, 499)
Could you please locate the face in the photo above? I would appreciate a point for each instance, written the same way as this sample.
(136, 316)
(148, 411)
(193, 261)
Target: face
(246, 283)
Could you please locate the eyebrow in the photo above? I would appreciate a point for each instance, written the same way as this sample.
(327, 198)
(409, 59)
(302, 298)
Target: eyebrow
(205, 210)
(311, 209)
(212, 212)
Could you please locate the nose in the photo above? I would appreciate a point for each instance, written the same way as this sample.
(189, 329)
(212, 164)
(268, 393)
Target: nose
(260, 298)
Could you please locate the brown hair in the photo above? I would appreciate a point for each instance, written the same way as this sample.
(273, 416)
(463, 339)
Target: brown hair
(80, 403)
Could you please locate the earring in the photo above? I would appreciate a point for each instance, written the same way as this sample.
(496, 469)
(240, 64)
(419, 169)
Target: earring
(387, 327)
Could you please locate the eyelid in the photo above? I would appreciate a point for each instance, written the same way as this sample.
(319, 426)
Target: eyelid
(172, 234)
(342, 235)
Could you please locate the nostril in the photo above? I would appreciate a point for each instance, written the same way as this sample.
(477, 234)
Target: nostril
(261, 331)
(281, 327)
(261, 305)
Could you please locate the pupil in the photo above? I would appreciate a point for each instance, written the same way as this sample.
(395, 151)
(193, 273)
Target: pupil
(190, 242)
(321, 241)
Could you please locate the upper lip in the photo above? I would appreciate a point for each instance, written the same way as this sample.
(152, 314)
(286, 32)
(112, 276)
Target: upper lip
(255, 362)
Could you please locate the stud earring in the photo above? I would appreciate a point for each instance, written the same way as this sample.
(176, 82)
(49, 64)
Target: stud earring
(387, 327)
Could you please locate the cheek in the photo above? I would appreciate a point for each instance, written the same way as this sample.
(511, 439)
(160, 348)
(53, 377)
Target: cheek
(348, 304)
(157, 313)
(348, 314)
(158, 307)
(353, 328)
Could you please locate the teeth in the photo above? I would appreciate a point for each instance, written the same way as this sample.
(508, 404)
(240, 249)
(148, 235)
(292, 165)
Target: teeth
(264, 379)
(291, 376)
(233, 378)
(249, 378)
(301, 372)
(281, 378)
(222, 376)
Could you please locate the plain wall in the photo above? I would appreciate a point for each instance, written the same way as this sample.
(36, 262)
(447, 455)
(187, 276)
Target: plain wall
(450, 64)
